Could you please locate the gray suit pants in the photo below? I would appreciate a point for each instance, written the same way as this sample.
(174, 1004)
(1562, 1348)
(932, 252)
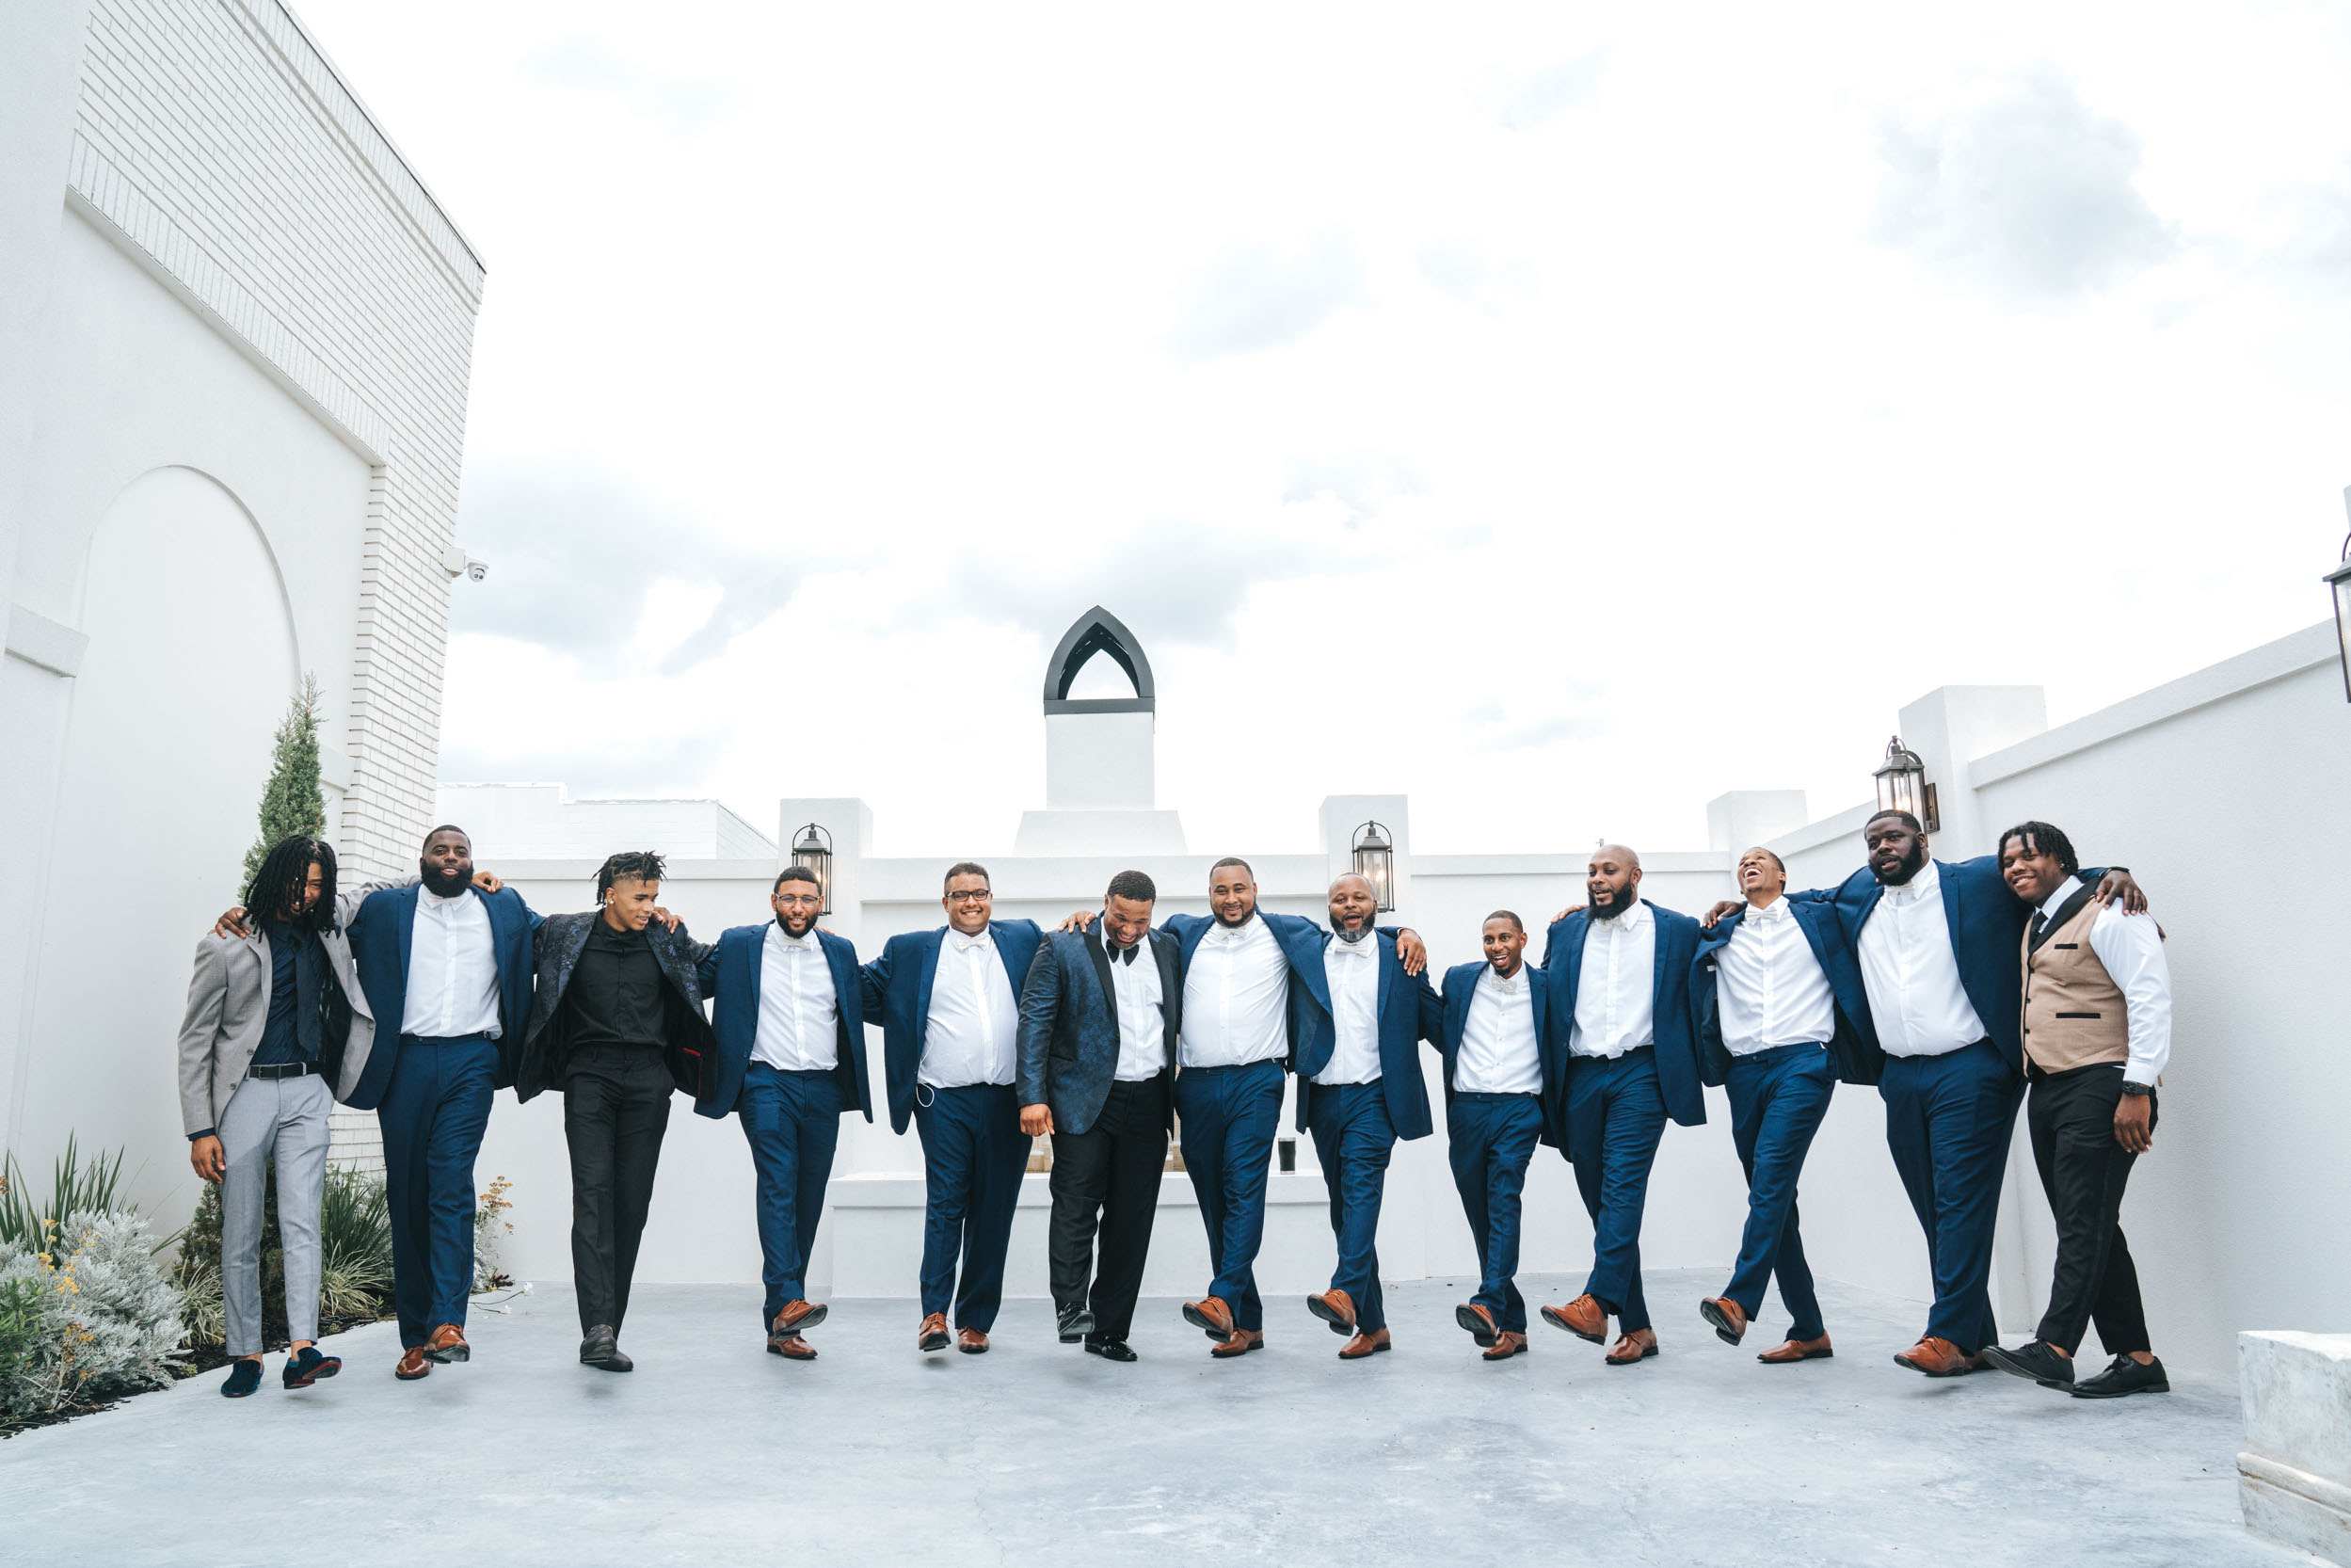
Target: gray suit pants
(284, 1118)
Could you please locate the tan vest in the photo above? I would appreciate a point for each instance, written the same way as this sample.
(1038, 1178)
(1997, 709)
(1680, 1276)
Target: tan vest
(2073, 1010)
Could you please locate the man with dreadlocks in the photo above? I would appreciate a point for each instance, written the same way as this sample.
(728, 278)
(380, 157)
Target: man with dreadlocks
(277, 1030)
(616, 1024)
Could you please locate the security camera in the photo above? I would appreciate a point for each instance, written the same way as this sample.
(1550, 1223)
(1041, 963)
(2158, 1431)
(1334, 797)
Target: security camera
(475, 570)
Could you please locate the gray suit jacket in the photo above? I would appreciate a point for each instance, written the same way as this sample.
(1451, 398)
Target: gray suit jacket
(228, 1005)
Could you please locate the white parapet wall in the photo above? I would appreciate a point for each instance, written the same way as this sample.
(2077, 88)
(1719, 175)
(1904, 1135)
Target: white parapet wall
(2293, 1478)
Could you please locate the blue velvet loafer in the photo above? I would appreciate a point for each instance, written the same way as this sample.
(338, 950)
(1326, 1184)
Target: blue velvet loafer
(245, 1375)
(306, 1366)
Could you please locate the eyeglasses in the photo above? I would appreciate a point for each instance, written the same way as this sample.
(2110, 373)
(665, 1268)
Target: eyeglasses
(980, 897)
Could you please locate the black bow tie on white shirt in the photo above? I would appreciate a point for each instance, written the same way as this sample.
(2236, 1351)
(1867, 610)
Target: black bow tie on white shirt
(1124, 955)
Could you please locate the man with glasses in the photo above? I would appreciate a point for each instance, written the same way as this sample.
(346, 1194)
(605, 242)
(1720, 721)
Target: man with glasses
(947, 1000)
(788, 1020)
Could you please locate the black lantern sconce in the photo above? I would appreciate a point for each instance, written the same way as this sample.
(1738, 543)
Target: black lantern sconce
(813, 849)
(1902, 785)
(1375, 863)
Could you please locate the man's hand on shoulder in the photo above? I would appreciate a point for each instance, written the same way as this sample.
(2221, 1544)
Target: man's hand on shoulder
(232, 923)
(669, 921)
(2116, 883)
(1078, 921)
(1410, 950)
(486, 882)
(1571, 909)
(1713, 917)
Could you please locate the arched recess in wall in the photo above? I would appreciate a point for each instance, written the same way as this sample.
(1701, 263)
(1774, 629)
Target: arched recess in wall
(191, 659)
(1098, 632)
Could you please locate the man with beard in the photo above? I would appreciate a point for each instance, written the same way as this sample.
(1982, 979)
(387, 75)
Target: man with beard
(1776, 992)
(1359, 1090)
(1099, 1016)
(276, 1026)
(1620, 993)
(1238, 967)
(446, 965)
(2097, 1033)
(949, 1004)
(1504, 1086)
(616, 1023)
(1937, 944)
(788, 1031)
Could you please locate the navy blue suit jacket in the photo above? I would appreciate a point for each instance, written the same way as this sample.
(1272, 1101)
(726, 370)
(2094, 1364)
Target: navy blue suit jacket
(382, 934)
(1855, 1042)
(1300, 939)
(898, 992)
(1409, 1013)
(1069, 1023)
(1460, 983)
(1987, 924)
(729, 976)
(1678, 1073)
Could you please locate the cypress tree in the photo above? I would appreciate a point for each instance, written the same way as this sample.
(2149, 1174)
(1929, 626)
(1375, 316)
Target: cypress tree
(291, 801)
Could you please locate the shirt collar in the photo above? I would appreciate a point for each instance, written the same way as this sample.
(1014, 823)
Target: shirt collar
(1632, 921)
(1230, 935)
(1367, 945)
(985, 938)
(2066, 889)
(435, 900)
(776, 930)
(1776, 910)
(1515, 984)
(1929, 882)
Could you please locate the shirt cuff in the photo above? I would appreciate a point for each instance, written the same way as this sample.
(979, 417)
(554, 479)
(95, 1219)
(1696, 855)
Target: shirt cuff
(2140, 1074)
(208, 1132)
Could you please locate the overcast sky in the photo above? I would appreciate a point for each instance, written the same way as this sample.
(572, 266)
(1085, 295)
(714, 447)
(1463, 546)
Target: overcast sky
(1562, 419)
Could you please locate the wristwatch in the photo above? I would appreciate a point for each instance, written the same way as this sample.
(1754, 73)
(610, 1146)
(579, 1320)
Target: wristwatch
(2130, 1088)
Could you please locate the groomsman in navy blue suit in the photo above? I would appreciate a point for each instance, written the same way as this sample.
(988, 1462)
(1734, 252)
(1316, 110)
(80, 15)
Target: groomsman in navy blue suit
(446, 965)
(949, 1004)
(1619, 972)
(1359, 1091)
(1936, 945)
(1777, 995)
(787, 1021)
(1505, 1085)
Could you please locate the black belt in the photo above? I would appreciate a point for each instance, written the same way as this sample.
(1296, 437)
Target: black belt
(282, 1070)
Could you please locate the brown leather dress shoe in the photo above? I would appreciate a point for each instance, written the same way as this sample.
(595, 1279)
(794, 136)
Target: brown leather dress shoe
(1478, 1320)
(1212, 1316)
(1365, 1343)
(1507, 1343)
(1938, 1358)
(448, 1344)
(971, 1341)
(1581, 1317)
(794, 1315)
(1797, 1349)
(791, 1346)
(1640, 1345)
(1335, 1308)
(931, 1335)
(1239, 1342)
(1727, 1317)
(414, 1364)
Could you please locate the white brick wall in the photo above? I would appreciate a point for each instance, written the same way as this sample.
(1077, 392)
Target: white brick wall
(215, 135)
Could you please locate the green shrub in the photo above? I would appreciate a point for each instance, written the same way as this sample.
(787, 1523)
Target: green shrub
(106, 1319)
(75, 1189)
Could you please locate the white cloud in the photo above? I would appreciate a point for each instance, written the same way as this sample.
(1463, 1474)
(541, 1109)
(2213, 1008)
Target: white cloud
(1259, 297)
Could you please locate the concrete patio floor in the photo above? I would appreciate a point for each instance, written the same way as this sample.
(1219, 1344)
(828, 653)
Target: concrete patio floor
(716, 1452)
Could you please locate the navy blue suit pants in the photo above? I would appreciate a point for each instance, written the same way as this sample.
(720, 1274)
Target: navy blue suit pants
(1227, 1117)
(1615, 1119)
(1353, 1138)
(1949, 1120)
(792, 1122)
(1491, 1140)
(434, 1112)
(1777, 1097)
(973, 1157)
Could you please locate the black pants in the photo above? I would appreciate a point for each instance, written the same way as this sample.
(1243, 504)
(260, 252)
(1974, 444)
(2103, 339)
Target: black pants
(1109, 1172)
(2082, 1170)
(615, 1108)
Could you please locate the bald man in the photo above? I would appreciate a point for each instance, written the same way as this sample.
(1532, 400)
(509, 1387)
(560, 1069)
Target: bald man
(1620, 991)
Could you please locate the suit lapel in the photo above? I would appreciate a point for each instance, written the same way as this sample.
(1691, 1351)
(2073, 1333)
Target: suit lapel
(1095, 949)
(1193, 932)
(1949, 882)
(1303, 951)
(1389, 963)
(927, 978)
(1658, 955)
(2065, 912)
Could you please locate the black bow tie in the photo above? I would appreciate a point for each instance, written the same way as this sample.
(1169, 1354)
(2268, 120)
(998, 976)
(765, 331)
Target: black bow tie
(1124, 955)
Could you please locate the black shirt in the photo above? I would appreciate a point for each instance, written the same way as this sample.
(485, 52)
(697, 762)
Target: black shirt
(297, 963)
(615, 991)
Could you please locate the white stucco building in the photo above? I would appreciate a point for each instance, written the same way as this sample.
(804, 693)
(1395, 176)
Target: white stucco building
(236, 335)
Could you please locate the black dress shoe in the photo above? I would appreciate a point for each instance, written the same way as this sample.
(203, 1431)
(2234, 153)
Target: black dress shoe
(2036, 1360)
(1109, 1350)
(2125, 1377)
(1075, 1324)
(600, 1349)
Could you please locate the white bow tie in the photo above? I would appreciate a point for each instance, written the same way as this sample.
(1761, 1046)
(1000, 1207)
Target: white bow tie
(964, 944)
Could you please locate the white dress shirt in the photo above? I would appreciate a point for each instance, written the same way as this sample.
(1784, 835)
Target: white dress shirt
(1236, 998)
(799, 1011)
(453, 969)
(974, 1023)
(1498, 1052)
(1141, 1017)
(1616, 988)
(1353, 969)
(1771, 987)
(2132, 948)
(1911, 973)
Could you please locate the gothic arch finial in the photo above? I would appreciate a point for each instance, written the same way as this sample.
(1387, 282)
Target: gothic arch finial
(1098, 632)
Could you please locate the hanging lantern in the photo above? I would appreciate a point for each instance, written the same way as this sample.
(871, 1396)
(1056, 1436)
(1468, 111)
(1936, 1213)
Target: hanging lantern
(1375, 863)
(813, 849)
(1902, 785)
